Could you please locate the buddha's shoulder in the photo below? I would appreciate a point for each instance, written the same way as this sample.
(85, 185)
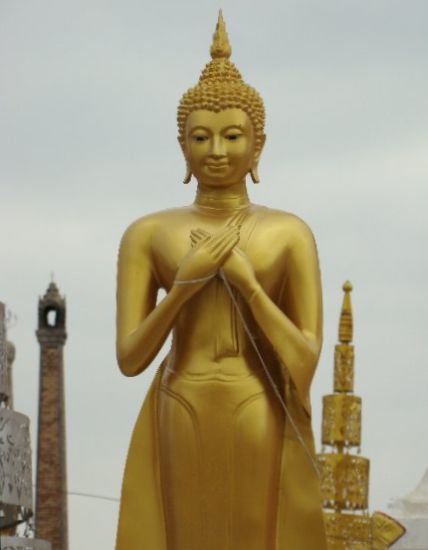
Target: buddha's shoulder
(281, 222)
(146, 226)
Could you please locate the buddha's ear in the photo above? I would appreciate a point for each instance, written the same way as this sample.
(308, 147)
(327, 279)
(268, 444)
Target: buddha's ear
(259, 149)
(254, 170)
(254, 173)
(181, 146)
(188, 174)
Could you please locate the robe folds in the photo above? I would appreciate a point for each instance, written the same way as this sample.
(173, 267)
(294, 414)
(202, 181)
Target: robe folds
(300, 524)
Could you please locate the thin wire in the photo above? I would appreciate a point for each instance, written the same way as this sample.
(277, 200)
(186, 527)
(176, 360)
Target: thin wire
(268, 374)
(90, 495)
(194, 281)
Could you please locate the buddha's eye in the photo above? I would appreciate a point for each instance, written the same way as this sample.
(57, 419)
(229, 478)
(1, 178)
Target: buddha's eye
(233, 137)
(199, 138)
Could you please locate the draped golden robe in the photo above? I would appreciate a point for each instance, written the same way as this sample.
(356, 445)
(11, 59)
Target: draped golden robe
(142, 518)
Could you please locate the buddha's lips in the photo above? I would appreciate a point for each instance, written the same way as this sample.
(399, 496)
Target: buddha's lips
(219, 165)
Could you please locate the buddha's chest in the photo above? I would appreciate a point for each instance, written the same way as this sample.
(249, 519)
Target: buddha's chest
(265, 249)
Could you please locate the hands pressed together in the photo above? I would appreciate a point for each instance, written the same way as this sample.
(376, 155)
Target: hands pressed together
(210, 253)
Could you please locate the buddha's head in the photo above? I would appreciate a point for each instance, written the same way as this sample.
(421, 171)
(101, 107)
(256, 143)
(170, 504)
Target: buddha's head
(221, 121)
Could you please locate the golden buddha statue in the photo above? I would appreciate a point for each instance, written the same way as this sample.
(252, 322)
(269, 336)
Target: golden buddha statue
(222, 454)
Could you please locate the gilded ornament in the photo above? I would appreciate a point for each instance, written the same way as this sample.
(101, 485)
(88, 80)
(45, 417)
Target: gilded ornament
(341, 420)
(345, 476)
(344, 368)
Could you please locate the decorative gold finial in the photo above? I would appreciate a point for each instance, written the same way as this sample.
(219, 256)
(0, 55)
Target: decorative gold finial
(345, 475)
(220, 47)
(346, 324)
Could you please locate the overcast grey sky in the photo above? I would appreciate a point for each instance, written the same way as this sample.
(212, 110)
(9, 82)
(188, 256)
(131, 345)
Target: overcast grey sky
(88, 97)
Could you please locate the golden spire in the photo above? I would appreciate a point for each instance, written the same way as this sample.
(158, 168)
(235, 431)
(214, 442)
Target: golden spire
(345, 475)
(346, 324)
(344, 350)
(220, 47)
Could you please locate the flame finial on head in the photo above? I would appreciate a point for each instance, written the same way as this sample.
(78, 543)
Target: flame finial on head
(220, 47)
(220, 70)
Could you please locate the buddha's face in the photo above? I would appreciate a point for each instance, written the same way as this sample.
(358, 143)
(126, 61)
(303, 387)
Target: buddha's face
(219, 147)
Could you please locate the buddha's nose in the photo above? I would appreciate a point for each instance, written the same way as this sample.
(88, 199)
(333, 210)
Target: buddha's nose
(217, 148)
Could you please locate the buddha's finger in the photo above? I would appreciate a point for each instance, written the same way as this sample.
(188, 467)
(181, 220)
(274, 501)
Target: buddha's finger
(225, 247)
(221, 256)
(195, 241)
(199, 233)
(199, 243)
(236, 219)
(197, 236)
(221, 236)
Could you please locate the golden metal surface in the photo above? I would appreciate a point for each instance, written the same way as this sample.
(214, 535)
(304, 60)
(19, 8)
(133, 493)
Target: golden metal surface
(345, 477)
(351, 531)
(348, 527)
(344, 481)
(341, 423)
(346, 325)
(342, 544)
(385, 531)
(344, 368)
(213, 463)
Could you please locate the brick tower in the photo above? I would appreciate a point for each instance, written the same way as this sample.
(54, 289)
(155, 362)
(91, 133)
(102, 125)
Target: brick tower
(51, 495)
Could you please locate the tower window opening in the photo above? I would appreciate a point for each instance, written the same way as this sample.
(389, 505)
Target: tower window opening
(51, 317)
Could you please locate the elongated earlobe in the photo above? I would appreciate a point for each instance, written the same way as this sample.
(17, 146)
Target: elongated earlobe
(188, 175)
(254, 174)
(254, 170)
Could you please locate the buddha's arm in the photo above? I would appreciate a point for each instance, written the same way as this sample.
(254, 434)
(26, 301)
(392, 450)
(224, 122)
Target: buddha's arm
(294, 326)
(143, 326)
